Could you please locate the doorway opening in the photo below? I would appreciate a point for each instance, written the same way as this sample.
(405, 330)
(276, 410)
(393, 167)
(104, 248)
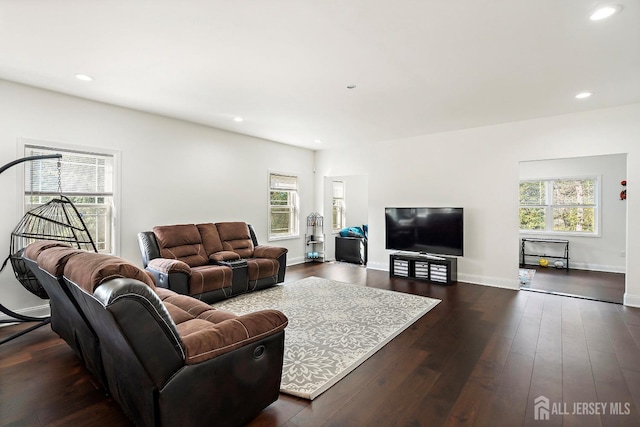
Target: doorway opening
(573, 218)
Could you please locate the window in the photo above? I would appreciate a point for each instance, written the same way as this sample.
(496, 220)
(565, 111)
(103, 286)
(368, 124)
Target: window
(283, 206)
(338, 206)
(87, 179)
(559, 205)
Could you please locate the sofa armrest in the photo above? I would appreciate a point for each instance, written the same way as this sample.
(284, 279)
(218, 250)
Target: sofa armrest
(224, 256)
(168, 266)
(265, 251)
(205, 340)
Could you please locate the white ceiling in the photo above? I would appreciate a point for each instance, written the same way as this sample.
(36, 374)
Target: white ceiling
(420, 66)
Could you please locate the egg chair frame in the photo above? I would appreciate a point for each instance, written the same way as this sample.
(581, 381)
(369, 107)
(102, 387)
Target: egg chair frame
(57, 220)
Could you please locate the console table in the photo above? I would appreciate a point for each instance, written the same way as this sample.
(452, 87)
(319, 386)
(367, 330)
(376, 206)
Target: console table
(564, 243)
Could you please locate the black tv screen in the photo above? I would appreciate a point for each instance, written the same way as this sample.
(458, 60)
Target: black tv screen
(437, 231)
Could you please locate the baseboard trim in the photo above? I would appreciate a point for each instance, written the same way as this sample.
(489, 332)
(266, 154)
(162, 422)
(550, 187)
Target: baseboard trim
(496, 282)
(631, 300)
(295, 261)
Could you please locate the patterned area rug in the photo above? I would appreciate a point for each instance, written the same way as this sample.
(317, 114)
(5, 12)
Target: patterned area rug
(333, 327)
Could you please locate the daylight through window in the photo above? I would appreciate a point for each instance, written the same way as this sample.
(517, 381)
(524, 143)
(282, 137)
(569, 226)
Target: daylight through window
(85, 178)
(559, 205)
(283, 206)
(338, 206)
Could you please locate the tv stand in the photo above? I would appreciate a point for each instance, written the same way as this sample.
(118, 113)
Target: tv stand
(431, 256)
(431, 268)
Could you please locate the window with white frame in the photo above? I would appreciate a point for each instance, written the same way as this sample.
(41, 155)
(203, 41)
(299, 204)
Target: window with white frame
(86, 178)
(560, 205)
(283, 206)
(338, 208)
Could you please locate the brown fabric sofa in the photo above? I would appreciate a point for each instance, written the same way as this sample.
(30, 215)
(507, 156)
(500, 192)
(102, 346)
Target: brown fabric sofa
(211, 261)
(168, 359)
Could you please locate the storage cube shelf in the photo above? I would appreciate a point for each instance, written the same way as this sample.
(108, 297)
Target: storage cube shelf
(442, 270)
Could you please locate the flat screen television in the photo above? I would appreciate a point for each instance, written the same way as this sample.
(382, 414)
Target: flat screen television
(437, 230)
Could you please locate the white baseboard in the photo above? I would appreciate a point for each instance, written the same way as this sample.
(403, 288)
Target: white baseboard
(295, 261)
(496, 282)
(37, 311)
(631, 300)
(378, 266)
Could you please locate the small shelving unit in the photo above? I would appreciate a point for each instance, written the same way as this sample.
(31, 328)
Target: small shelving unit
(443, 270)
(564, 244)
(314, 238)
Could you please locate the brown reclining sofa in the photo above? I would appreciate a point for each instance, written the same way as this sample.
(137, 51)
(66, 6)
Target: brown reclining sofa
(167, 359)
(210, 261)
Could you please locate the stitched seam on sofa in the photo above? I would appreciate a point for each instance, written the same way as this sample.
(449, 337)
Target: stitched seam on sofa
(224, 278)
(171, 252)
(273, 266)
(254, 338)
(201, 284)
(213, 311)
(243, 327)
(204, 258)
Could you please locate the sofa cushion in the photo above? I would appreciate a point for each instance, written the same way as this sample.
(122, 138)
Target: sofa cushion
(208, 278)
(185, 307)
(207, 332)
(210, 238)
(168, 266)
(33, 250)
(224, 256)
(264, 251)
(89, 270)
(182, 242)
(54, 259)
(204, 340)
(259, 268)
(235, 237)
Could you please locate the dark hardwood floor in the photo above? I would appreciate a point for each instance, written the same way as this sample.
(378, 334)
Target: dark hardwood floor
(479, 358)
(596, 285)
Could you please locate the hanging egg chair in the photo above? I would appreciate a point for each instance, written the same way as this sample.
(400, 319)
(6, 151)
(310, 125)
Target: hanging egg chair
(57, 220)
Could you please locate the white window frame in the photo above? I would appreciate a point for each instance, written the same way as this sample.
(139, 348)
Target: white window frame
(338, 201)
(24, 143)
(294, 206)
(549, 207)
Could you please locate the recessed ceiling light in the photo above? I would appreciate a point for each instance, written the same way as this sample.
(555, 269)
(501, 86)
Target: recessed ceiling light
(317, 141)
(84, 77)
(583, 95)
(238, 119)
(604, 11)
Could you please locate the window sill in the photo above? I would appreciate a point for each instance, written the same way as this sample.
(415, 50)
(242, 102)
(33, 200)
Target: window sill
(557, 234)
(287, 237)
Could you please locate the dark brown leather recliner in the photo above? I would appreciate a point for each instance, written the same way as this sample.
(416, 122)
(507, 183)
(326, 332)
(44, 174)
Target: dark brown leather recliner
(170, 359)
(211, 261)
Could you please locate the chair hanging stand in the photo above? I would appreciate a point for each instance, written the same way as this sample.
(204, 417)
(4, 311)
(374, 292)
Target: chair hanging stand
(57, 220)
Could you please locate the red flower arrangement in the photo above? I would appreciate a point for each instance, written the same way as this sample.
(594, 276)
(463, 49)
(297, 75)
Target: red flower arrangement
(623, 193)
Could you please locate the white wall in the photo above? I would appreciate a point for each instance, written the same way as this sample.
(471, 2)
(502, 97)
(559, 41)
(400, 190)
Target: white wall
(478, 169)
(171, 172)
(602, 252)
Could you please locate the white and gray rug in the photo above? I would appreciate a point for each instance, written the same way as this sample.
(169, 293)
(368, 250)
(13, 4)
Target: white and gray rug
(333, 327)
